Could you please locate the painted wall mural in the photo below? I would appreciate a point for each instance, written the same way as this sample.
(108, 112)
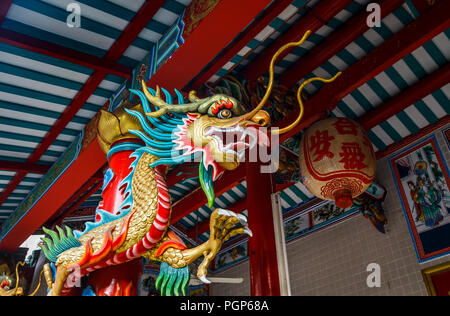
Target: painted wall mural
(422, 181)
(307, 218)
(446, 133)
(315, 217)
(231, 256)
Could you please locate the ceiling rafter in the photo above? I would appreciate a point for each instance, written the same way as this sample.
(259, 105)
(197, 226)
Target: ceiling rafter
(257, 26)
(413, 137)
(140, 21)
(333, 44)
(59, 52)
(407, 97)
(404, 42)
(313, 20)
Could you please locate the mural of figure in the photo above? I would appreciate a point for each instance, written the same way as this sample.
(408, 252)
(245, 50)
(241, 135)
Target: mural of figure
(445, 196)
(428, 199)
(417, 205)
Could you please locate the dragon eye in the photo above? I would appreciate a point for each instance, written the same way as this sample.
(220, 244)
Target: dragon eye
(224, 114)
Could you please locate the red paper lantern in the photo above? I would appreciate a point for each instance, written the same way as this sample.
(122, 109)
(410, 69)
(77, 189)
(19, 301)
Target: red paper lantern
(337, 161)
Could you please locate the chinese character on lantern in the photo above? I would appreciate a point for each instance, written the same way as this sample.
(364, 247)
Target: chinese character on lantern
(320, 143)
(345, 126)
(352, 156)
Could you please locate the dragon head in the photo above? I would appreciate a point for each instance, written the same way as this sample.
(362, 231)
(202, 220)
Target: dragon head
(219, 129)
(215, 130)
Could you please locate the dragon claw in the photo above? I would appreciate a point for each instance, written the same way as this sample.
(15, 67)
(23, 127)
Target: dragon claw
(227, 213)
(204, 280)
(242, 219)
(248, 231)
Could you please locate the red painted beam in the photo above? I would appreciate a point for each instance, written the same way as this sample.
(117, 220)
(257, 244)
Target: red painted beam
(133, 29)
(317, 17)
(4, 8)
(141, 19)
(23, 167)
(333, 44)
(216, 31)
(413, 36)
(81, 199)
(202, 227)
(197, 198)
(423, 5)
(412, 138)
(62, 211)
(49, 49)
(281, 187)
(407, 97)
(257, 26)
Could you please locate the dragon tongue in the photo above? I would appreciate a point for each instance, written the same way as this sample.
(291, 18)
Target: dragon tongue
(238, 146)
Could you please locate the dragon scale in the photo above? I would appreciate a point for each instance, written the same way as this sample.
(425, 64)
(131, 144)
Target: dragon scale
(149, 218)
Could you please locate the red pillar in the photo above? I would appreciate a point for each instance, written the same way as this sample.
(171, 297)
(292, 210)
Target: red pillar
(123, 279)
(264, 277)
(120, 280)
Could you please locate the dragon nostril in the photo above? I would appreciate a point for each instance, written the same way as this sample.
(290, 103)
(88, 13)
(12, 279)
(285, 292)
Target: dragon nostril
(261, 118)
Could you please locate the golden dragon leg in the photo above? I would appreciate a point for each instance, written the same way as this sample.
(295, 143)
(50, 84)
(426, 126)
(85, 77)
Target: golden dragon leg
(223, 225)
(60, 279)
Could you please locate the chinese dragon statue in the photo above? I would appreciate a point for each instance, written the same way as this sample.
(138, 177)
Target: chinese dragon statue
(169, 134)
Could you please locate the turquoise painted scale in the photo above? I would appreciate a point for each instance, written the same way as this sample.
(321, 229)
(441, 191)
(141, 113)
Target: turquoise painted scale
(158, 139)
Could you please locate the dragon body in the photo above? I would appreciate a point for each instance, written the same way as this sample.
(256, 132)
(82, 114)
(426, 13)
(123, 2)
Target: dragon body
(140, 227)
(215, 132)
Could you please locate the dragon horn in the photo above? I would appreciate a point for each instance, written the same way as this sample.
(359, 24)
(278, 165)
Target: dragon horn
(156, 100)
(193, 96)
(165, 107)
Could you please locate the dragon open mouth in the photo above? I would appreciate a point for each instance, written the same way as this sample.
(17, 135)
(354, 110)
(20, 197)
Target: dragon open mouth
(235, 139)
